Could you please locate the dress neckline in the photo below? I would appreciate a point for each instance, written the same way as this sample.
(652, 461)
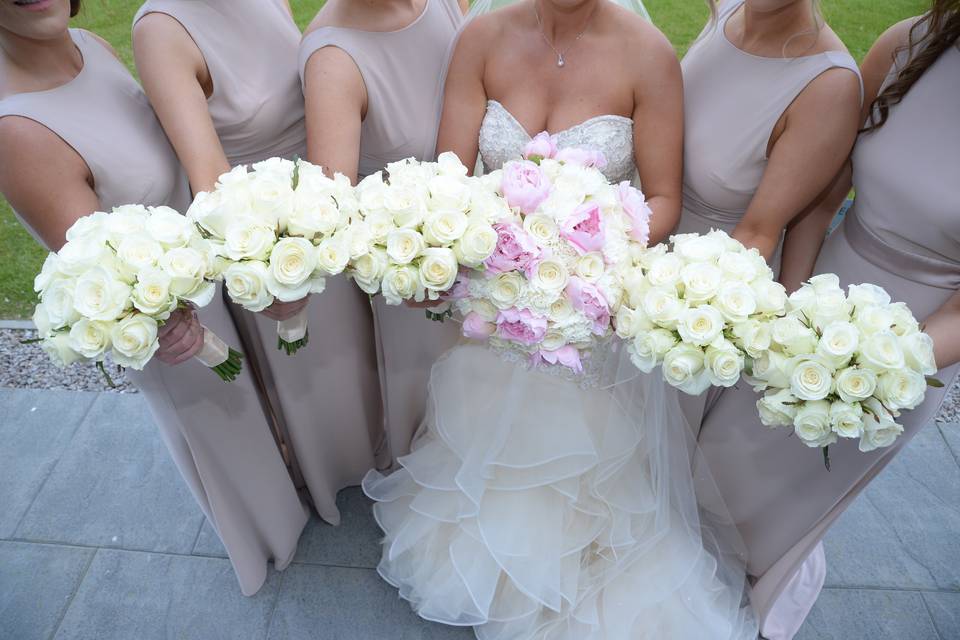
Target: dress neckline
(76, 38)
(411, 25)
(722, 27)
(588, 121)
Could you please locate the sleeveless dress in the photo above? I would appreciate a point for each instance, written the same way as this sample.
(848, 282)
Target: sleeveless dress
(403, 74)
(903, 234)
(539, 505)
(250, 49)
(217, 434)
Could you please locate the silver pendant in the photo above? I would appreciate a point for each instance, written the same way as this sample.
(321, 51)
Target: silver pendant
(560, 61)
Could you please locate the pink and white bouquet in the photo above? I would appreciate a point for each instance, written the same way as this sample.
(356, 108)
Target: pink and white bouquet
(117, 280)
(279, 229)
(843, 365)
(702, 310)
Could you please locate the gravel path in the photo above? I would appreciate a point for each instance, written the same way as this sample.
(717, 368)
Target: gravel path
(25, 366)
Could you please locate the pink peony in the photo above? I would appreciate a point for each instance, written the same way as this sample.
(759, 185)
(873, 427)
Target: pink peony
(519, 325)
(567, 356)
(587, 299)
(476, 328)
(524, 185)
(583, 157)
(460, 288)
(543, 145)
(584, 228)
(635, 206)
(515, 249)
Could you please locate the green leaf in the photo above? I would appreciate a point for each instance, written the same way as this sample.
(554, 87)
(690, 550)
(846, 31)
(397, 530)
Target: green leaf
(934, 382)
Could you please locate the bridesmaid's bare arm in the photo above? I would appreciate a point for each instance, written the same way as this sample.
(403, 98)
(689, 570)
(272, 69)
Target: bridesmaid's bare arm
(176, 80)
(465, 99)
(658, 130)
(942, 327)
(819, 131)
(336, 103)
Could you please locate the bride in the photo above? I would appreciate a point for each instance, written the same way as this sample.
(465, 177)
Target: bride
(535, 505)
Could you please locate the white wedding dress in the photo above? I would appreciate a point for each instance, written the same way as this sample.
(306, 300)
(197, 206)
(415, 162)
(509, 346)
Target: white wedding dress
(535, 505)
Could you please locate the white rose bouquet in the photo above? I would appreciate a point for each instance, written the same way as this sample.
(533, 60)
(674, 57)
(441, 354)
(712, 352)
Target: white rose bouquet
(702, 310)
(117, 279)
(843, 365)
(278, 230)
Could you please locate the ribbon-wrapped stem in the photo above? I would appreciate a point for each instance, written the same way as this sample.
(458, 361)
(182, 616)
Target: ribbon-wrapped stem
(215, 354)
(292, 333)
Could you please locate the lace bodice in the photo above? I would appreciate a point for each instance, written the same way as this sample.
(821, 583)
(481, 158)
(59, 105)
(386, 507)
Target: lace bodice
(502, 138)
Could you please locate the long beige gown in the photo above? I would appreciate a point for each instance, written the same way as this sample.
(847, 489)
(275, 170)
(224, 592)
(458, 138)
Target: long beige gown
(325, 398)
(403, 74)
(902, 234)
(216, 432)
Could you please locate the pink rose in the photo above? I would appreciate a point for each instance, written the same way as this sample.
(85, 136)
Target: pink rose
(567, 356)
(519, 325)
(476, 328)
(587, 299)
(584, 228)
(635, 206)
(583, 157)
(515, 249)
(543, 145)
(524, 185)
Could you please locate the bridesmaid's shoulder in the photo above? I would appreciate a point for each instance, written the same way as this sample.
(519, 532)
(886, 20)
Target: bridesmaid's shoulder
(884, 50)
(90, 35)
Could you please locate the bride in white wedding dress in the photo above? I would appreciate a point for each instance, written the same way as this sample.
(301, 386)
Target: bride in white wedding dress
(536, 505)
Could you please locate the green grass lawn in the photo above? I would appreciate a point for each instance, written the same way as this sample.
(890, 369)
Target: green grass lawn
(858, 22)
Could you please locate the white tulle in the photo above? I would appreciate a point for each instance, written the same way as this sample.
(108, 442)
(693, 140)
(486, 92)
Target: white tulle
(533, 508)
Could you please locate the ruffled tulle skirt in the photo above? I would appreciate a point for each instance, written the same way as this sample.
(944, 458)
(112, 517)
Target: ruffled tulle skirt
(533, 508)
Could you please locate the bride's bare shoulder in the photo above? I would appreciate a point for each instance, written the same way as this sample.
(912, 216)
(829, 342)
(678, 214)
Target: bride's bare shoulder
(485, 30)
(639, 36)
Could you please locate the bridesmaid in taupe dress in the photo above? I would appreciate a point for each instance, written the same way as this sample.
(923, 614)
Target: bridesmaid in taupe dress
(222, 76)
(78, 135)
(902, 234)
(373, 81)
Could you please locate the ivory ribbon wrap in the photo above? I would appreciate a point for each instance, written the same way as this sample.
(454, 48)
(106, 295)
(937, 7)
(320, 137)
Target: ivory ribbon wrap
(214, 352)
(293, 329)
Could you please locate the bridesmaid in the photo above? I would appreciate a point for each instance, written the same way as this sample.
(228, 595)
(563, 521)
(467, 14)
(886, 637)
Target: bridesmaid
(373, 78)
(902, 234)
(77, 135)
(222, 76)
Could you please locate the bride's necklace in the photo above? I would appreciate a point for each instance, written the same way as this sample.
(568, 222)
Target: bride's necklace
(561, 61)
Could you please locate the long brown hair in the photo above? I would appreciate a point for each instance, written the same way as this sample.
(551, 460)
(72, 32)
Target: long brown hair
(74, 7)
(934, 33)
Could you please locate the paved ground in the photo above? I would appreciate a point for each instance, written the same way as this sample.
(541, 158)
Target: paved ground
(100, 539)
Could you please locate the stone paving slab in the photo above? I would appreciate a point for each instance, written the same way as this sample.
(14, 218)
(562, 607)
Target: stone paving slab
(863, 614)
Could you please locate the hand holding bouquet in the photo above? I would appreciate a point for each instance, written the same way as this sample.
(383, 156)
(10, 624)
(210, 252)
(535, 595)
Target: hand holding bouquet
(118, 278)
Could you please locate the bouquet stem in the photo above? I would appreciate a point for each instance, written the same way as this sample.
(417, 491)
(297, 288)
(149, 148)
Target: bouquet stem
(215, 354)
(292, 333)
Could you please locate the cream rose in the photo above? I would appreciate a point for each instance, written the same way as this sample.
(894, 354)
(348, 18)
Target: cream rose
(368, 270)
(811, 379)
(846, 419)
(838, 342)
(449, 192)
(169, 228)
(151, 293)
(138, 251)
(648, 348)
(90, 338)
(770, 295)
(701, 282)
(247, 238)
(333, 254)
(591, 266)
(735, 301)
(246, 282)
(505, 289)
(134, 341)
(57, 348)
(901, 389)
(438, 269)
(443, 228)
(404, 245)
(477, 244)
(879, 428)
(778, 409)
(854, 384)
(98, 295)
(664, 270)
(683, 368)
(700, 325)
(724, 363)
(542, 229)
(549, 275)
(753, 337)
(882, 352)
(187, 269)
(313, 216)
(291, 269)
(771, 369)
(812, 424)
(401, 282)
(663, 307)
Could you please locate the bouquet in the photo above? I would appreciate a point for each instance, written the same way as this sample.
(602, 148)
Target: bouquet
(279, 229)
(117, 279)
(843, 365)
(702, 309)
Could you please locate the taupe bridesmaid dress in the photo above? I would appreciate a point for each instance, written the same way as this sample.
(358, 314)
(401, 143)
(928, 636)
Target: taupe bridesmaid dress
(324, 398)
(403, 74)
(903, 234)
(216, 432)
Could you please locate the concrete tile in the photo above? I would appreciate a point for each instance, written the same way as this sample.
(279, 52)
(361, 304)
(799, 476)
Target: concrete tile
(335, 603)
(902, 531)
(35, 428)
(150, 596)
(944, 608)
(856, 614)
(208, 542)
(951, 433)
(36, 583)
(116, 486)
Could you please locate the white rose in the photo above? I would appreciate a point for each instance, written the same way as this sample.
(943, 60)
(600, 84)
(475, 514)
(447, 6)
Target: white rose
(771, 369)
(903, 321)
(134, 341)
(247, 238)
(404, 245)
(591, 266)
(151, 293)
(57, 347)
(279, 168)
(918, 352)
(648, 348)
(812, 424)
(406, 203)
(846, 419)
(58, 299)
(187, 269)
(401, 282)
(879, 428)
(449, 164)
(735, 301)
(700, 325)
(246, 282)
(663, 307)
(683, 368)
(778, 409)
(371, 193)
(630, 322)
(753, 337)
(358, 239)
(90, 338)
(696, 248)
(368, 270)
(484, 309)
(444, 228)
(795, 337)
(542, 229)
(449, 192)
(871, 320)
(701, 282)
(561, 311)
(838, 342)
(505, 289)
(41, 320)
(811, 379)
(854, 384)
(901, 389)
(477, 244)
(770, 295)
(664, 270)
(291, 270)
(867, 295)
(313, 215)
(831, 306)
(723, 362)
(803, 300)
(207, 210)
(438, 269)
(549, 275)
(271, 197)
(169, 228)
(552, 341)
(98, 295)
(125, 221)
(92, 227)
(77, 256)
(737, 266)
(139, 251)
(881, 352)
(333, 254)
(49, 272)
